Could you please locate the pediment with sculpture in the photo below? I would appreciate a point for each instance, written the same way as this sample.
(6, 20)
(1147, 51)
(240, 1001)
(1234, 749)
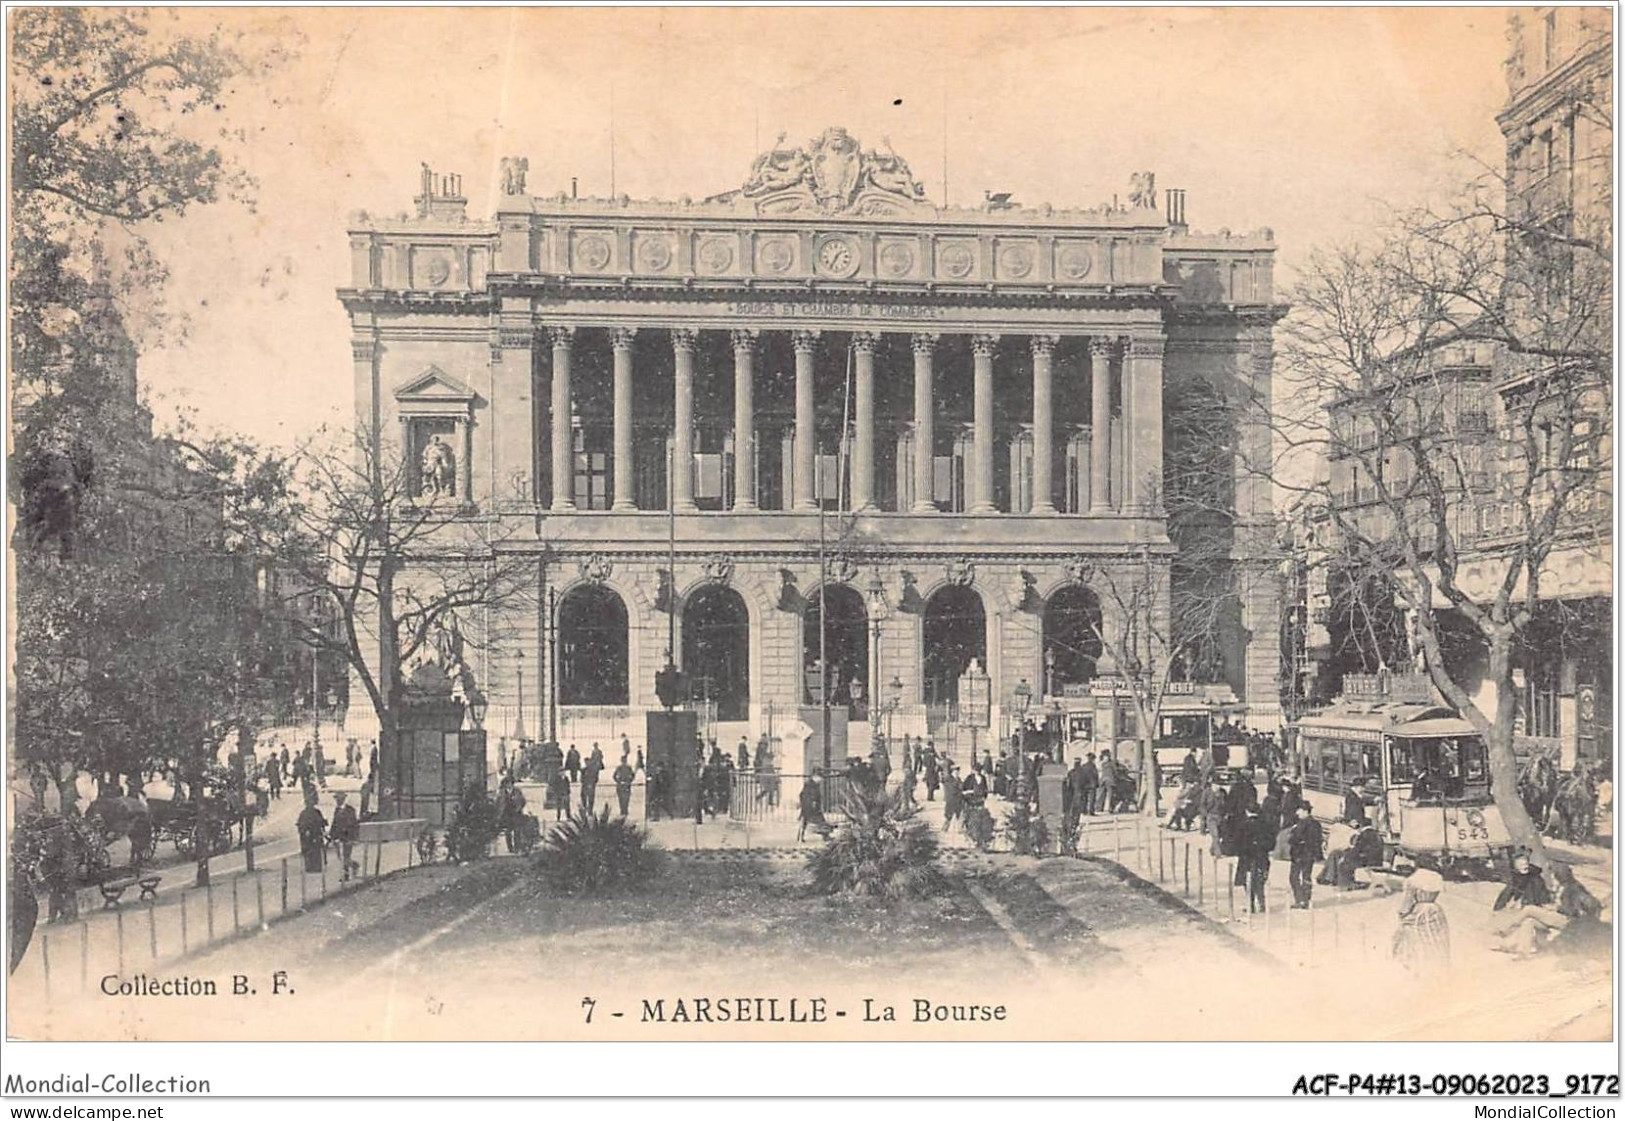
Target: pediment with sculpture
(832, 174)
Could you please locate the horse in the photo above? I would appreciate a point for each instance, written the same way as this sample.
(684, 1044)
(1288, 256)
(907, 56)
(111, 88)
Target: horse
(1537, 787)
(1576, 805)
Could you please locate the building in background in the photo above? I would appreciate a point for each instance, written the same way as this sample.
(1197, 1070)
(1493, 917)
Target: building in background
(818, 392)
(1559, 168)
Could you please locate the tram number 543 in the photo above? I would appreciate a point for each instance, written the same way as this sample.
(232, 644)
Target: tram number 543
(1472, 833)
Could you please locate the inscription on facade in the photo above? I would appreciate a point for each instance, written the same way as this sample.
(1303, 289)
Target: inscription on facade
(833, 309)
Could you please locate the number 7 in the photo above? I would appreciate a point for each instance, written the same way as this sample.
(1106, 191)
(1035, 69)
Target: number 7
(589, 1004)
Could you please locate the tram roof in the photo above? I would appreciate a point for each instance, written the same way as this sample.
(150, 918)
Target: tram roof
(1403, 718)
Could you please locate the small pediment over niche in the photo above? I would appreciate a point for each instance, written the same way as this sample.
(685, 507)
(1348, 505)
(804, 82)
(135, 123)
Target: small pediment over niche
(434, 384)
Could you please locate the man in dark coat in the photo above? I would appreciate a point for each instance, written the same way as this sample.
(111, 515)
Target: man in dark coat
(624, 776)
(558, 792)
(1190, 770)
(589, 779)
(572, 763)
(811, 807)
(1257, 842)
(346, 830)
(312, 829)
(1354, 805)
(1088, 785)
(1108, 782)
(933, 776)
(973, 791)
(1304, 847)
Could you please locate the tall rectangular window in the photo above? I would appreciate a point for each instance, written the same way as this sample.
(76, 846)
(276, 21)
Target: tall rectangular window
(592, 469)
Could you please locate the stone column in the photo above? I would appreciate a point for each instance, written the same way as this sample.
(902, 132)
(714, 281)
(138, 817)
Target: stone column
(982, 347)
(924, 426)
(1043, 348)
(620, 340)
(863, 448)
(563, 432)
(1143, 367)
(1100, 426)
(806, 447)
(744, 342)
(682, 437)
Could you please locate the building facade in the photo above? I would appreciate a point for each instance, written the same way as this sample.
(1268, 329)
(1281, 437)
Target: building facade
(710, 422)
(1492, 403)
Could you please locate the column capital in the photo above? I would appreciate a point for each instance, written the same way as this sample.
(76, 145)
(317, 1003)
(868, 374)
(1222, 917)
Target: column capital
(923, 342)
(1145, 346)
(1043, 345)
(560, 336)
(684, 339)
(864, 342)
(621, 338)
(804, 340)
(744, 339)
(1102, 346)
(984, 345)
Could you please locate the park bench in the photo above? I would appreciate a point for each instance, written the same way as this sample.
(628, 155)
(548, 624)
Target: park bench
(113, 889)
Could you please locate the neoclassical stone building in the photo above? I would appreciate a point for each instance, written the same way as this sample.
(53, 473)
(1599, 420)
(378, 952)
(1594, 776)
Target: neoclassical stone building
(959, 410)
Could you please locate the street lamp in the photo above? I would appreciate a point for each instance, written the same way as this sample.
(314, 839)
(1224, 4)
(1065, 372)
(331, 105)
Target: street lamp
(1023, 694)
(879, 609)
(519, 716)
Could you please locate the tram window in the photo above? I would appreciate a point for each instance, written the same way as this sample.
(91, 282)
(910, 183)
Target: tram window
(1353, 763)
(1311, 762)
(1476, 768)
(1402, 764)
(1330, 767)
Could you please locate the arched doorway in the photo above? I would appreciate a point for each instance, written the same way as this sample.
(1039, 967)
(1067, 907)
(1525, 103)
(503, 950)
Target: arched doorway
(592, 647)
(845, 644)
(716, 650)
(1071, 637)
(955, 632)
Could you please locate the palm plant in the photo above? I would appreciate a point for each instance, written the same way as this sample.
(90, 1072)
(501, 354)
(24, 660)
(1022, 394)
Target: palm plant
(880, 850)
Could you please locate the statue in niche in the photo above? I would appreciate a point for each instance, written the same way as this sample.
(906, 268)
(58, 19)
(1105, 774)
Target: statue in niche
(439, 467)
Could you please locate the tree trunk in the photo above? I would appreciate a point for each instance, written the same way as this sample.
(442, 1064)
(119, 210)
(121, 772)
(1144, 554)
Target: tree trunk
(1503, 759)
(67, 793)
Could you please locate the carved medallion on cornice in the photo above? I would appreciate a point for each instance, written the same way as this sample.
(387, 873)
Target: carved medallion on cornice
(961, 572)
(596, 568)
(718, 568)
(1079, 570)
(842, 568)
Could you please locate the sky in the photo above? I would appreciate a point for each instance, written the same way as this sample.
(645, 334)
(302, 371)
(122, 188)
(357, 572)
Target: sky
(1307, 121)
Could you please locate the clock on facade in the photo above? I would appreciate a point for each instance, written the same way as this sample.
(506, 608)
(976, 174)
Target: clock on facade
(837, 258)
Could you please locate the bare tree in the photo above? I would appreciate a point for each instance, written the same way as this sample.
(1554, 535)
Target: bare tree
(1453, 375)
(392, 574)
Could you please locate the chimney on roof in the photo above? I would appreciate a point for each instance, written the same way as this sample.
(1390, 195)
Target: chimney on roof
(1176, 207)
(441, 196)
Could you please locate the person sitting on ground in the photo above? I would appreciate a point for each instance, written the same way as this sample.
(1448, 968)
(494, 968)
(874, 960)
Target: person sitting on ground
(1528, 901)
(1585, 931)
(1364, 850)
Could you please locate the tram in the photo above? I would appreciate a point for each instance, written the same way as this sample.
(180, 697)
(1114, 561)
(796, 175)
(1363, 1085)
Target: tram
(1421, 770)
(1202, 723)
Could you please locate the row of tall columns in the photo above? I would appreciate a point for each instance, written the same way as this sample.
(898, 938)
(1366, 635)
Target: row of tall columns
(1138, 491)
